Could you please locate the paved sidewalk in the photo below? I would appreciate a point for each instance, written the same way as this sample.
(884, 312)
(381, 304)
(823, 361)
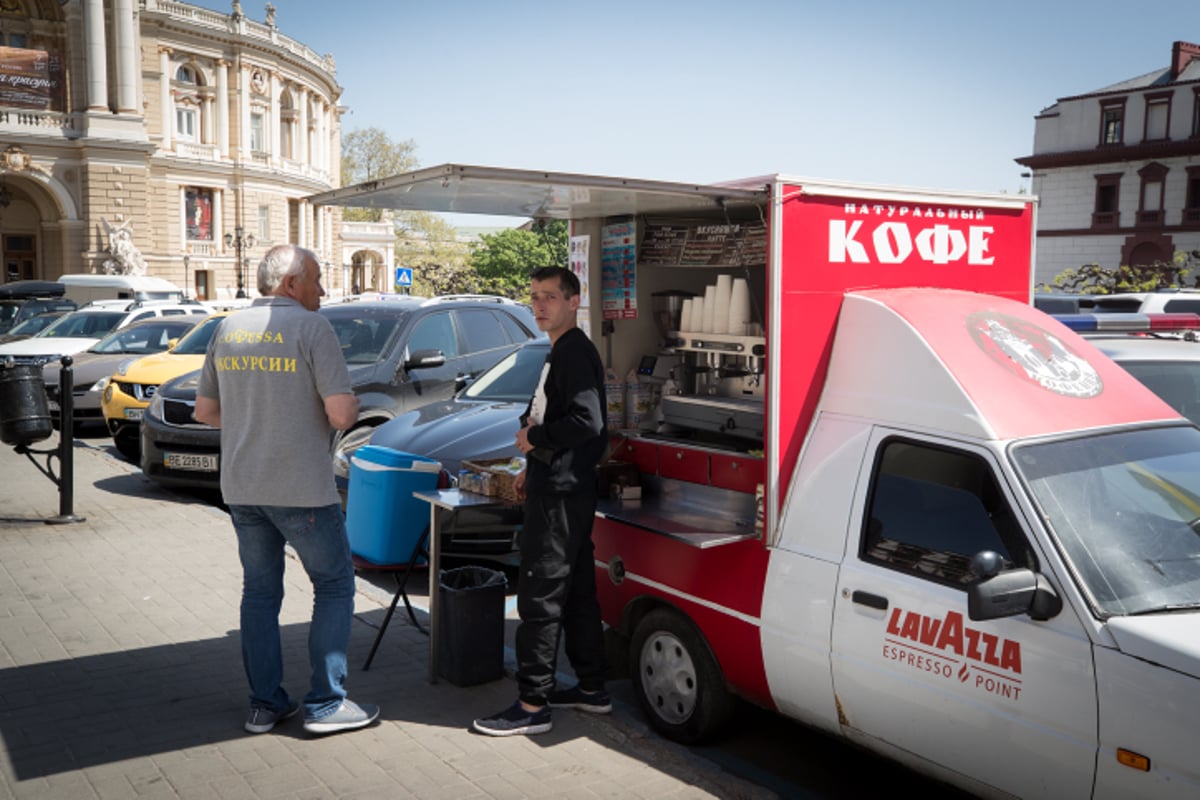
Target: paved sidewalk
(120, 675)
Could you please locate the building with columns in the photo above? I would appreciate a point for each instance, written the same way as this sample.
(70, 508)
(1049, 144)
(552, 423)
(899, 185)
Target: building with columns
(1117, 171)
(185, 135)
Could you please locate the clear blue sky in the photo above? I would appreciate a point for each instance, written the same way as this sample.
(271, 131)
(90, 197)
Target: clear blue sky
(930, 93)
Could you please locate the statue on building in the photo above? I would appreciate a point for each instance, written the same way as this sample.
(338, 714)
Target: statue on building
(125, 258)
(271, 15)
(237, 10)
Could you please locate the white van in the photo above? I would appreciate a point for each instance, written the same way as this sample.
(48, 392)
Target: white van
(84, 288)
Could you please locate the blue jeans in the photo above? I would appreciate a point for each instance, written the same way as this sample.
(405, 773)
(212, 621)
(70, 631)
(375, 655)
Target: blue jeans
(318, 535)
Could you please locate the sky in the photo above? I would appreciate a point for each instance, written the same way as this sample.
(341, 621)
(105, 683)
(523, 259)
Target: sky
(924, 94)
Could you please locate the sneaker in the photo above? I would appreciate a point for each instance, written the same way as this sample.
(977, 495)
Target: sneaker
(348, 716)
(597, 702)
(262, 719)
(515, 720)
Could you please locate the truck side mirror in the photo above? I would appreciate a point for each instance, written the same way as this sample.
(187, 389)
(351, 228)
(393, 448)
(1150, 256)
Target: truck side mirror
(997, 594)
(424, 359)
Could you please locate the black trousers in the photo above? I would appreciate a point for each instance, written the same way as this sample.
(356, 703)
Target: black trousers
(556, 595)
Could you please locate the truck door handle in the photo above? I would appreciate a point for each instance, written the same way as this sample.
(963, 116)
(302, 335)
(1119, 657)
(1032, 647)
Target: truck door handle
(869, 600)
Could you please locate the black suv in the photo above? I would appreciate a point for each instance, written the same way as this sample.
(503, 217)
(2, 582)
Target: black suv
(21, 300)
(402, 353)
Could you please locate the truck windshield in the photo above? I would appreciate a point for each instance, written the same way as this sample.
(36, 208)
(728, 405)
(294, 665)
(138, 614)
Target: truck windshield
(1125, 508)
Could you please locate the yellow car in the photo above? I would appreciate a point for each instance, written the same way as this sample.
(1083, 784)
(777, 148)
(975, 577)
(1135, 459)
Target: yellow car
(131, 388)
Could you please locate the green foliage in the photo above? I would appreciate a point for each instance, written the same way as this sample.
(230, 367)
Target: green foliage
(370, 154)
(1095, 279)
(503, 260)
(430, 245)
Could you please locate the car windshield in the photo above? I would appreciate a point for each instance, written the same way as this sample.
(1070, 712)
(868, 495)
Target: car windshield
(1177, 382)
(513, 379)
(34, 324)
(364, 338)
(88, 325)
(8, 314)
(1125, 509)
(197, 339)
(140, 339)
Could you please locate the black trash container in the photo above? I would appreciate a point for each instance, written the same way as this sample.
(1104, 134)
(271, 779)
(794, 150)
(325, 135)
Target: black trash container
(24, 409)
(471, 625)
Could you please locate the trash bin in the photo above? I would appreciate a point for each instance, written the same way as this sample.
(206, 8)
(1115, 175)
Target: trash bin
(383, 519)
(24, 409)
(471, 625)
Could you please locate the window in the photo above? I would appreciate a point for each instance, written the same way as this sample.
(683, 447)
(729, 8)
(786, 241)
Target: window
(1158, 117)
(185, 123)
(1196, 113)
(434, 332)
(1108, 192)
(258, 139)
(481, 330)
(1112, 122)
(931, 510)
(17, 40)
(264, 224)
(1150, 208)
(1191, 211)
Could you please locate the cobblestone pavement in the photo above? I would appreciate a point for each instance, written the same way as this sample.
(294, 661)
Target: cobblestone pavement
(120, 674)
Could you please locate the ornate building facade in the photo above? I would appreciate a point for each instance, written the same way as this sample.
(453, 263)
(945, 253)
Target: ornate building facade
(1117, 171)
(158, 136)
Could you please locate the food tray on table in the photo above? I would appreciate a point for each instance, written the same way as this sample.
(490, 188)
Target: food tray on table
(497, 477)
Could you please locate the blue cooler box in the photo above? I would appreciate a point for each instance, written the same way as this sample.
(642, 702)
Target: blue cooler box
(383, 519)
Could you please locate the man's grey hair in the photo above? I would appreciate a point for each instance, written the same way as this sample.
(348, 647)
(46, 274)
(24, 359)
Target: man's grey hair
(281, 261)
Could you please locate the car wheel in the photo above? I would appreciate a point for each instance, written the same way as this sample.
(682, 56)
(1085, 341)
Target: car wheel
(346, 442)
(676, 680)
(129, 445)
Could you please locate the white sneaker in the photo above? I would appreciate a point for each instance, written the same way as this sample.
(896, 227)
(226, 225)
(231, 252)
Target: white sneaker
(348, 716)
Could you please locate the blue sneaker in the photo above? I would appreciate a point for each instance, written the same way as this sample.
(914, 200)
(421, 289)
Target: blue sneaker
(515, 720)
(347, 717)
(262, 719)
(597, 702)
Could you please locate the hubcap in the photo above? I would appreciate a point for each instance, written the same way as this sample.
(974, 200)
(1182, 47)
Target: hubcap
(668, 677)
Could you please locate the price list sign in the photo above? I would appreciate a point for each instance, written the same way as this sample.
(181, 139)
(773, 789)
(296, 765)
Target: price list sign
(618, 270)
(705, 245)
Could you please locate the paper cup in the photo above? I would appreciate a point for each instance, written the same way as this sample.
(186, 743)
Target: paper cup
(697, 315)
(721, 312)
(710, 309)
(685, 316)
(739, 308)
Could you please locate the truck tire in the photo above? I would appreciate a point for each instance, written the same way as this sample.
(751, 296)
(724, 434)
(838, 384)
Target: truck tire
(676, 679)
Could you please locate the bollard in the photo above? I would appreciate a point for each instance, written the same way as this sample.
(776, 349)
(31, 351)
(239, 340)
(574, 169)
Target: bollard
(66, 444)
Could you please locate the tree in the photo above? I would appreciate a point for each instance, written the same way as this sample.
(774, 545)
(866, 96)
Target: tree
(1095, 279)
(503, 260)
(370, 154)
(429, 245)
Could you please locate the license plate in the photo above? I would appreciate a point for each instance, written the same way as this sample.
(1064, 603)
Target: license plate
(194, 462)
(133, 413)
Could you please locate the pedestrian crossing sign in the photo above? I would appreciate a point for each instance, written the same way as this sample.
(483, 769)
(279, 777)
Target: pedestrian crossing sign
(403, 276)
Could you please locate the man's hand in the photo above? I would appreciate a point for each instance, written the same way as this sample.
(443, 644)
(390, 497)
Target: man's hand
(519, 485)
(523, 443)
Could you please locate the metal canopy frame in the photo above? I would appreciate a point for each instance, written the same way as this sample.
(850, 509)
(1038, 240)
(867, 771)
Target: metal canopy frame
(464, 189)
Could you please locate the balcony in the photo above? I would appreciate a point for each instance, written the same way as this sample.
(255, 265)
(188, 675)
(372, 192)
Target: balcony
(1149, 219)
(1191, 216)
(1105, 219)
(38, 123)
(197, 150)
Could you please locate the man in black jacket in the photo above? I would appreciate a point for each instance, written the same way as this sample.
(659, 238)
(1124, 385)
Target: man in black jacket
(563, 437)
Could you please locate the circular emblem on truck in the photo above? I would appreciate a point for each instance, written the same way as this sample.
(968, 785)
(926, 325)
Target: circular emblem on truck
(1030, 351)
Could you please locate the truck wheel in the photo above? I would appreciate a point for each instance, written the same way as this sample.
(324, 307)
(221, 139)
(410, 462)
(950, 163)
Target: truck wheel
(676, 679)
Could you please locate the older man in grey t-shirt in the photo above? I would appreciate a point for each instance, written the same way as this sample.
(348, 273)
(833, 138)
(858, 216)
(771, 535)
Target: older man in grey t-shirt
(275, 383)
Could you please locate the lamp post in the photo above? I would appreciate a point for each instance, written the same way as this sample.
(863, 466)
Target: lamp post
(239, 242)
(187, 260)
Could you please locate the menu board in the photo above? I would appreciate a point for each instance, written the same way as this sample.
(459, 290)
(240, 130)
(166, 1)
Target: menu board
(704, 244)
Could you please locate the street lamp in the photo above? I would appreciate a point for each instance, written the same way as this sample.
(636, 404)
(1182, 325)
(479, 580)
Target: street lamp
(237, 241)
(187, 260)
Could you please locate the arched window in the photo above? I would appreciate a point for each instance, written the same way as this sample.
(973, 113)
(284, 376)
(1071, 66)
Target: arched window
(188, 104)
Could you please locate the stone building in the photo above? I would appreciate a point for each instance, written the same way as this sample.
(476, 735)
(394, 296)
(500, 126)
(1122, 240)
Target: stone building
(1117, 171)
(157, 136)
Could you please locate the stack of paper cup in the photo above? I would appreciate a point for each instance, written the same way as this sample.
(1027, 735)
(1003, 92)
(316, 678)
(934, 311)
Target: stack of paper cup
(685, 316)
(721, 312)
(739, 308)
(696, 322)
(710, 308)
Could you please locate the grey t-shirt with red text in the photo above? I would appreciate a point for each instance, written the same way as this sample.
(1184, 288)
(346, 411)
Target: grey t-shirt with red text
(271, 366)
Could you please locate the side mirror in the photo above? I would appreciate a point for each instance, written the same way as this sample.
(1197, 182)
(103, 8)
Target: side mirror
(425, 359)
(997, 594)
(171, 344)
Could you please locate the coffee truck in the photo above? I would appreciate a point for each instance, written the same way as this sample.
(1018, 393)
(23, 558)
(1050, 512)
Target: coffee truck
(897, 503)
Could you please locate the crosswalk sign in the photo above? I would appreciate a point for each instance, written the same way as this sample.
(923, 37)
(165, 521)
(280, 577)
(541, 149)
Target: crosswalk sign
(404, 276)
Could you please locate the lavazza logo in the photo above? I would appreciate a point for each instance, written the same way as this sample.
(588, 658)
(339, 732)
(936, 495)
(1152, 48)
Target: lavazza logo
(907, 229)
(946, 648)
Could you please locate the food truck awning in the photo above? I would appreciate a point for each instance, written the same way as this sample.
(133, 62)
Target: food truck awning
(464, 189)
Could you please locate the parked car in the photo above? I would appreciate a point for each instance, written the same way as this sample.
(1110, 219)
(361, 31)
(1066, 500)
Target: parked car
(30, 327)
(133, 383)
(92, 368)
(80, 329)
(402, 353)
(21, 300)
